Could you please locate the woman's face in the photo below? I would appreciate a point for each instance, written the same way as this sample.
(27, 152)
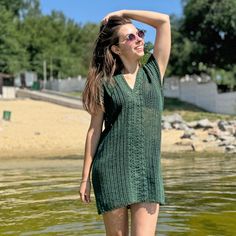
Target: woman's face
(131, 42)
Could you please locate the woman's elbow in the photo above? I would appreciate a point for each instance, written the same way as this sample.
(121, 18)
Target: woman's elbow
(167, 18)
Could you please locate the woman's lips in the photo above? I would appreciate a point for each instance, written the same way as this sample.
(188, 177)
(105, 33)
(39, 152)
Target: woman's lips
(139, 48)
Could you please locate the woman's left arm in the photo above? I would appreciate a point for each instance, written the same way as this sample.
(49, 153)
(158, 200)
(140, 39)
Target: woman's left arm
(161, 23)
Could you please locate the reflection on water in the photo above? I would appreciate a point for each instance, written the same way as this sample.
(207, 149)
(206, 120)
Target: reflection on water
(40, 197)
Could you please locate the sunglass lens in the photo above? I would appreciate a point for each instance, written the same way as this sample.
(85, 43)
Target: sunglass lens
(141, 33)
(131, 37)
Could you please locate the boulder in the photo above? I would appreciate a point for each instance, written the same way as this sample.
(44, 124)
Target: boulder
(222, 125)
(188, 134)
(225, 137)
(232, 122)
(205, 124)
(215, 131)
(210, 138)
(224, 143)
(231, 129)
(230, 149)
(229, 126)
(175, 118)
(180, 126)
(192, 124)
(166, 125)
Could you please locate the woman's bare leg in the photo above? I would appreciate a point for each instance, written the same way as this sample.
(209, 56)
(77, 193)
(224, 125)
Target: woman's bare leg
(116, 222)
(144, 218)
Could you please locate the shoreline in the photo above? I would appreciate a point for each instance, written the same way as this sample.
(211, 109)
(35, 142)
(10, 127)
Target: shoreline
(81, 157)
(39, 129)
(77, 161)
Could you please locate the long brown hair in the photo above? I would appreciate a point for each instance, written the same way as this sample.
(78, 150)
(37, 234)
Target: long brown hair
(104, 64)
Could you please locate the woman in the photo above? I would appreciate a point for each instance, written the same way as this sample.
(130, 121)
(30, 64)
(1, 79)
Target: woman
(124, 158)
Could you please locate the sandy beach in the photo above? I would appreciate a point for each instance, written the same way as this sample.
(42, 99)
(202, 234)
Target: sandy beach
(41, 129)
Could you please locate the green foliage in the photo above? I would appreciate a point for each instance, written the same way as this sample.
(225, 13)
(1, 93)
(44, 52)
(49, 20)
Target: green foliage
(12, 56)
(63, 44)
(29, 38)
(46, 40)
(223, 77)
(21, 8)
(204, 40)
(212, 24)
(12, 6)
(88, 33)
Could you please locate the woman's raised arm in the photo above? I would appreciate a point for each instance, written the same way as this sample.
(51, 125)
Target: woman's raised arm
(161, 23)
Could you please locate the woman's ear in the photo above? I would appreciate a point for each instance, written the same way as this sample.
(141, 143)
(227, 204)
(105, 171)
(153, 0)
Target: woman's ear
(115, 49)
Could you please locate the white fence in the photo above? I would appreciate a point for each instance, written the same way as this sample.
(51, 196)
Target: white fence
(66, 85)
(8, 92)
(204, 95)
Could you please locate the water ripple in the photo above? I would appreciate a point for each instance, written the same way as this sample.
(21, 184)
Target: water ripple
(43, 199)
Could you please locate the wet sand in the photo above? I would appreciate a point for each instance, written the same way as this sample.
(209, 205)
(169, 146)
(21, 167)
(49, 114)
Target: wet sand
(39, 129)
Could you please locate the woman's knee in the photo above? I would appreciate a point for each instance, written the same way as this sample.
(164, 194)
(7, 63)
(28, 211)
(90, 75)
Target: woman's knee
(144, 218)
(116, 222)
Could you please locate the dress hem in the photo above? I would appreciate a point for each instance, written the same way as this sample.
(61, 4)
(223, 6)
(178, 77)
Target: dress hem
(130, 203)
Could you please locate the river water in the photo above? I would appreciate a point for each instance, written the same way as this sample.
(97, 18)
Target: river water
(40, 197)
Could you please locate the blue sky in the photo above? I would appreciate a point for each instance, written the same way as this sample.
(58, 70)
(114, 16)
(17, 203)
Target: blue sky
(83, 11)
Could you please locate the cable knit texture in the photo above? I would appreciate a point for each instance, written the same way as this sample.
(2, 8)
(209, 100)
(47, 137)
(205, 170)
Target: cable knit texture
(126, 167)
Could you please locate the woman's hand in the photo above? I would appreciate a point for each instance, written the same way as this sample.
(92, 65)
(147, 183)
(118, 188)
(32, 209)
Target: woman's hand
(115, 13)
(85, 191)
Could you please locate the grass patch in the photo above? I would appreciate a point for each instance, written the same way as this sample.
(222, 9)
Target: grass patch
(190, 112)
(75, 94)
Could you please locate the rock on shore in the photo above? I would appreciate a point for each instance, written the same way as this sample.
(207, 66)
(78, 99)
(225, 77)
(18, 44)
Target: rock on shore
(221, 133)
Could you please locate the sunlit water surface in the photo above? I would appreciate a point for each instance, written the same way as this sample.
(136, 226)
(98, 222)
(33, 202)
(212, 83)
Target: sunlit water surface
(40, 197)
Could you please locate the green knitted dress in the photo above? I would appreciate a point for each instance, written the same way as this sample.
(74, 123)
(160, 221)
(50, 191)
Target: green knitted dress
(126, 166)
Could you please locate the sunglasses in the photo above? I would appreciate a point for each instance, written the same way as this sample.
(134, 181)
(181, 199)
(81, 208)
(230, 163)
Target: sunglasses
(132, 37)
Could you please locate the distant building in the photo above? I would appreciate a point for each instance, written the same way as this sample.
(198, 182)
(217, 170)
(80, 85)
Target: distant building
(7, 89)
(26, 79)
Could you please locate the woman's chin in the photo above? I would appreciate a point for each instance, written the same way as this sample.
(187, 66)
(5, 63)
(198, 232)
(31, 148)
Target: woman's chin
(140, 53)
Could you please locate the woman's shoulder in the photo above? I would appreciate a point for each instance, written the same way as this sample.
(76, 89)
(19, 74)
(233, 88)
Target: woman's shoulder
(108, 85)
(152, 66)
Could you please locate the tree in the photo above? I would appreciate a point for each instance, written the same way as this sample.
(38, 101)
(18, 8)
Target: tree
(88, 35)
(12, 57)
(211, 25)
(65, 45)
(203, 40)
(21, 8)
(12, 6)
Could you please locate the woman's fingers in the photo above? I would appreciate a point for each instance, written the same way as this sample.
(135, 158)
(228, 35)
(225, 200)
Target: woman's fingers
(87, 198)
(105, 20)
(81, 196)
(84, 197)
(85, 192)
(115, 13)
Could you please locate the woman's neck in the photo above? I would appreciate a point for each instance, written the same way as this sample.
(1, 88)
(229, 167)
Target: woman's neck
(130, 68)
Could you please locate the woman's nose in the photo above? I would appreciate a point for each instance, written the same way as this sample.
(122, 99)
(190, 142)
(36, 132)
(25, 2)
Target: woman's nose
(138, 39)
